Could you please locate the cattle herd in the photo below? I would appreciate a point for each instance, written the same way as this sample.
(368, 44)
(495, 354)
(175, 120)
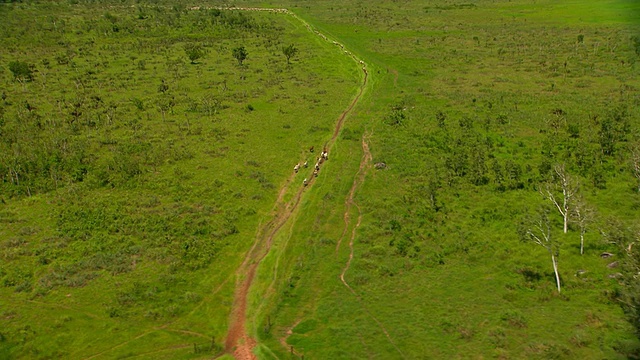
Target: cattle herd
(323, 157)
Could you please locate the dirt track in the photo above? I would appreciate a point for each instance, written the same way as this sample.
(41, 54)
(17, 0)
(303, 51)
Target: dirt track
(365, 163)
(238, 342)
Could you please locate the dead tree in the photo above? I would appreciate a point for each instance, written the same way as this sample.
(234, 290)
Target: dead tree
(539, 232)
(568, 187)
(582, 215)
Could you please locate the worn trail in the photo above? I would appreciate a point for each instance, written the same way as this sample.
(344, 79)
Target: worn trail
(238, 342)
(365, 163)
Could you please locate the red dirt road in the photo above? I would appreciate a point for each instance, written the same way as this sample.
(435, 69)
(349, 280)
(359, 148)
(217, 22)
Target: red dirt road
(238, 342)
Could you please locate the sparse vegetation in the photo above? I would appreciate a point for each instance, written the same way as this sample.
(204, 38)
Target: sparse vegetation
(129, 190)
(139, 162)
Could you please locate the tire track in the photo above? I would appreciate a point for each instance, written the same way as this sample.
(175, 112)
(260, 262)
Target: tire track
(238, 342)
(358, 180)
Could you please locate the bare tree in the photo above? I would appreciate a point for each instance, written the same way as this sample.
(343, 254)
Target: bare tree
(539, 232)
(582, 215)
(568, 187)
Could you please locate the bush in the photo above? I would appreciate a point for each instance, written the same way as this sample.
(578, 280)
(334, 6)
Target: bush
(21, 70)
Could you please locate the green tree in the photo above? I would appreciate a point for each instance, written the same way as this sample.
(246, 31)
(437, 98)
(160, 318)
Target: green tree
(240, 54)
(21, 71)
(289, 51)
(626, 238)
(636, 44)
(441, 118)
(194, 52)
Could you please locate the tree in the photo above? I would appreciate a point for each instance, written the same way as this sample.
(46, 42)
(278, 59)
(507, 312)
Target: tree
(626, 238)
(539, 232)
(165, 104)
(194, 52)
(240, 54)
(569, 189)
(613, 129)
(21, 71)
(557, 120)
(582, 215)
(636, 44)
(163, 87)
(289, 51)
(441, 118)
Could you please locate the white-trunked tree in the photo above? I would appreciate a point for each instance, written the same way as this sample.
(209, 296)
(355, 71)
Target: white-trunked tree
(582, 215)
(538, 231)
(564, 183)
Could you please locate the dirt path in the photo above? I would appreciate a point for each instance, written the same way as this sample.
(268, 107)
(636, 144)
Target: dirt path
(365, 163)
(358, 179)
(289, 332)
(238, 342)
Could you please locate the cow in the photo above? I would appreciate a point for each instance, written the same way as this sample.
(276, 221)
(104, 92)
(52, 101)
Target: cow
(296, 168)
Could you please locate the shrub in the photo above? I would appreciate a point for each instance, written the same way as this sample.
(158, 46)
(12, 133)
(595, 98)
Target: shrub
(21, 70)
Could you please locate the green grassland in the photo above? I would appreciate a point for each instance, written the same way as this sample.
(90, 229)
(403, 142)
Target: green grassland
(463, 110)
(134, 181)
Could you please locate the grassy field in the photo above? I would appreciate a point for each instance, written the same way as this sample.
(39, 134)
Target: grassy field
(463, 110)
(134, 180)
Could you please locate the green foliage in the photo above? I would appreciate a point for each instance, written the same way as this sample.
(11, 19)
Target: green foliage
(240, 54)
(464, 159)
(134, 183)
(127, 198)
(21, 70)
(628, 293)
(194, 52)
(396, 117)
(636, 44)
(289, 52)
